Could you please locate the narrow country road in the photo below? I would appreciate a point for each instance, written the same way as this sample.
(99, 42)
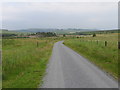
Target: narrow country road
(67, 69)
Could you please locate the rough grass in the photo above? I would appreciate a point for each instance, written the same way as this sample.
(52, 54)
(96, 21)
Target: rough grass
(106, 57)
(0, 64)
(23, 63)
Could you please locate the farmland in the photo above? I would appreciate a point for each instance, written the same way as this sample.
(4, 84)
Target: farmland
(94, 49)
(24, 62)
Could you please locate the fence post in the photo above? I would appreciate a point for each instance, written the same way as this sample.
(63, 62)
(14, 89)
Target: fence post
(37, 44)
(118, 45)
(105, 43)
(97, 41)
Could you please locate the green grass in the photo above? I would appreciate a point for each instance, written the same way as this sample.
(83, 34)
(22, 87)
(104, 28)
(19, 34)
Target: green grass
(106, 57)
(14, 32)
(23, 63)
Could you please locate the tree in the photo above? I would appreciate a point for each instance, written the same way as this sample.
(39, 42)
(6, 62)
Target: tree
(94, 35)
(46, 34)
(64, 35)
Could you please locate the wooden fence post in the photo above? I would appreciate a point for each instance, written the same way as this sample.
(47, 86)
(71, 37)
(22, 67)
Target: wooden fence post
(118, 45)
(37, 44)
(97, 41)
(105, 43)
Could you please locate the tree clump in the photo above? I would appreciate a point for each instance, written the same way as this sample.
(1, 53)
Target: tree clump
(94, 35)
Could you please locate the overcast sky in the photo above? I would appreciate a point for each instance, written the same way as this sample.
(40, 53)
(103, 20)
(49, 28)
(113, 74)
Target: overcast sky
(91, 15)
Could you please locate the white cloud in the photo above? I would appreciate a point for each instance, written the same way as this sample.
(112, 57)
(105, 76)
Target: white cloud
(89, 12)
(19, 8)
(60, 0)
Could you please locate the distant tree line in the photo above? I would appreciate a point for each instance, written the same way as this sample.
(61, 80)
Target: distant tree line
(82, 33)
(8, 35)
(45, 34)
(97, 32)
(38, 34)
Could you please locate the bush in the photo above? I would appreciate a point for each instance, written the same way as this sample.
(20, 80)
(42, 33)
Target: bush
(64, 35)
(94, 35)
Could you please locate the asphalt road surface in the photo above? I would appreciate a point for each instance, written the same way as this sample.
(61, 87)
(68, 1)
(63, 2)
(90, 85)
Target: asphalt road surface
(67, 69)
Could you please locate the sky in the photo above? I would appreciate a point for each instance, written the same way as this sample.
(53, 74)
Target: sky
(69, 14)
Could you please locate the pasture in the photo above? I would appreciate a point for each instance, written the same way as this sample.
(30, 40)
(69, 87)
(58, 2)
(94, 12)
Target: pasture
(97, 51)
(24, 62)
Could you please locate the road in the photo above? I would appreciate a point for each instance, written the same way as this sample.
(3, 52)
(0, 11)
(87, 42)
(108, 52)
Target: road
(67, 69)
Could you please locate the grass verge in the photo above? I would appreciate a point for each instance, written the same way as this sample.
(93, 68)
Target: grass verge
(106, 57)
(24, 62)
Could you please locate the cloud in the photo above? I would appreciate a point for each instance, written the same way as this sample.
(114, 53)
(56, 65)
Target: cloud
(46, 14)
(49, 7)
(60, 0)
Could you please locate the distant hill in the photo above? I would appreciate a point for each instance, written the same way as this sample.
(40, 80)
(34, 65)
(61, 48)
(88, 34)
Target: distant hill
(57, 31)
(13, 32)
(35, 30)
(98, 32)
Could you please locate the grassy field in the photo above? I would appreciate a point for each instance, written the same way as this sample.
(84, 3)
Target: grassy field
(14, 32)
(24, 63)
(93, 48)
(24, 60)
(0, 61)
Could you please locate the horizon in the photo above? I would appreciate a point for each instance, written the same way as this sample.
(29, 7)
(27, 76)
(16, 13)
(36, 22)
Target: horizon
(62, 29)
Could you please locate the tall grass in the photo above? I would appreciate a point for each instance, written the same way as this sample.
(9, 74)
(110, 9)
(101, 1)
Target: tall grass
(105, 57)
(24, 63)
